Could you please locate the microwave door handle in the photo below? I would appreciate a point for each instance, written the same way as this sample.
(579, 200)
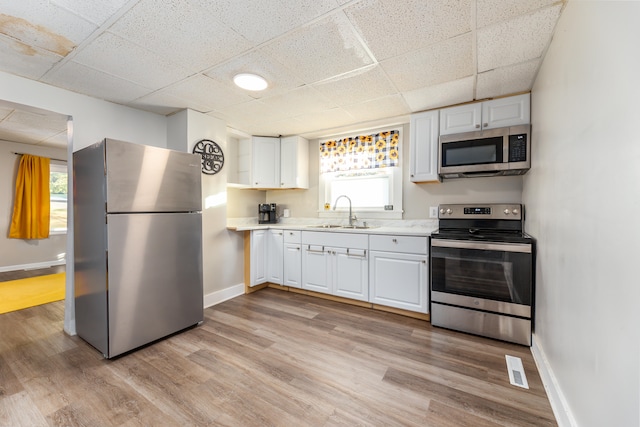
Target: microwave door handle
(479, 174)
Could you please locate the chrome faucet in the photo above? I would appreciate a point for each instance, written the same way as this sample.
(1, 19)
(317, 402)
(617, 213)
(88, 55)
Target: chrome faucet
(351, 216)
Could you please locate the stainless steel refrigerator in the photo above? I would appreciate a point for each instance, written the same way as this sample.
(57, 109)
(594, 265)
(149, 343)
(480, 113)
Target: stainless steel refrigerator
(137, 244)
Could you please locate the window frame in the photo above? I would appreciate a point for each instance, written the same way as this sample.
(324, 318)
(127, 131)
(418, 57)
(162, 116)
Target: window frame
(395, 185)
(59, 167)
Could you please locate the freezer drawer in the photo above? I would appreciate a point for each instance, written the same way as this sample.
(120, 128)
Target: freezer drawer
(141, 178)
(154, 277)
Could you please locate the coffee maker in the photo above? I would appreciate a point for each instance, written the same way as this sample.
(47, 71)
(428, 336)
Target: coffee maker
(267, 213)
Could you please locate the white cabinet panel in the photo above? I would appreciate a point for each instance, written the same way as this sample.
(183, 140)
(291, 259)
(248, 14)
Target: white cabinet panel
(292, 259)
(294, 162)
(460, 119)
(424, 147)
(351, 273)
(316, 274)
(496, 113)
(399, 280)
(504, 112)
(258, 267)
(265, 160)
(275, 252)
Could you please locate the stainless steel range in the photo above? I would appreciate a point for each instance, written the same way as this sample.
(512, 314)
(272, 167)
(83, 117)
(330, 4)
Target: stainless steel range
(482, 272)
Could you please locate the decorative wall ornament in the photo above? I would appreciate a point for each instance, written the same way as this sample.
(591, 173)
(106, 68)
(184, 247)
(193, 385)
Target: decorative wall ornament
(377, 150)
(212, 156)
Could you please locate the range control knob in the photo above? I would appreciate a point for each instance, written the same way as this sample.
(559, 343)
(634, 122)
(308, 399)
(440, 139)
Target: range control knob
(442, 211)
(515, 211)
(507, 211)
(449, 211)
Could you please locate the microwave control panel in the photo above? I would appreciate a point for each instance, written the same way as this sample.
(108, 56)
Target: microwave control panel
(518, 148)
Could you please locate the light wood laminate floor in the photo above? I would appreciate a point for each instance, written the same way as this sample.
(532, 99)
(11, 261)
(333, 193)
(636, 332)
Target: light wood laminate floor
(271, 358)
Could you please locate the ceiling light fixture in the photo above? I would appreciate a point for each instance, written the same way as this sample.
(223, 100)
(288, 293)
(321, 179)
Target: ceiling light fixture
(250, 81)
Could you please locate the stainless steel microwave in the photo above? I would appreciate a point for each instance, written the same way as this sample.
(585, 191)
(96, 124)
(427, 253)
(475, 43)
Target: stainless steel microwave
(492, 152)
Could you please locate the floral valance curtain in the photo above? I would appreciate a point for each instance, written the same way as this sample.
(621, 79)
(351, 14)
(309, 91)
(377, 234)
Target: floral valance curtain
(377, 150)
(31, 206)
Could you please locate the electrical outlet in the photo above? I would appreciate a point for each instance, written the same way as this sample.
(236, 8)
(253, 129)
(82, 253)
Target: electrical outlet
(433, 212)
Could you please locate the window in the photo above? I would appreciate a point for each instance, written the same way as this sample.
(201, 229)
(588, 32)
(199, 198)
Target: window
(365, 168)
(58, 197)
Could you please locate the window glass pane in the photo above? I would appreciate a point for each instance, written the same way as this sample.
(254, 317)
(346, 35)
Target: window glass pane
(364, 191)
(58, 197)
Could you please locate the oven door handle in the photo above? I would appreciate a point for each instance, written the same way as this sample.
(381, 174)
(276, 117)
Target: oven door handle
(485, 246)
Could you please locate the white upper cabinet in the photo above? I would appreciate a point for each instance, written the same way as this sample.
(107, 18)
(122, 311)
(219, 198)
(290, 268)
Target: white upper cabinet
(497, 113)
(265, 161)
(424, 147)
(294, 162)
(269, 163)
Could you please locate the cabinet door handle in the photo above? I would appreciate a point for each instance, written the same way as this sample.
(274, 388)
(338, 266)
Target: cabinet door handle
(315, 250)
(485, 125)
(424, 261)
(394, 240)
(363, 255)
(477, 125)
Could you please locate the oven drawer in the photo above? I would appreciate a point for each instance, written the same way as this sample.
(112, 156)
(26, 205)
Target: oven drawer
(405, 244)
(490, 325)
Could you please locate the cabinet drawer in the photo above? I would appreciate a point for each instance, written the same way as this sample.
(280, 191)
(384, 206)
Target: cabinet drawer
(406, 244)
(336, 240)
(292, 236)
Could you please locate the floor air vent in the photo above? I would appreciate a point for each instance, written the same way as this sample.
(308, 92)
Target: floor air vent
(516, 372)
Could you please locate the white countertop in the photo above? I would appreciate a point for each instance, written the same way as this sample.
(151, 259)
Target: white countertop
(395, 227)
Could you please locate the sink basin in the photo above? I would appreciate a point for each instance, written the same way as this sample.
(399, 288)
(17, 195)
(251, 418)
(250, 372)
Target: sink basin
(324, 226)
(357, 227)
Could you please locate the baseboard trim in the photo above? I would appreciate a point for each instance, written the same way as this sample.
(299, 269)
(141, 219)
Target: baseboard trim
(223, 295)
(32, 266)
(559, 403)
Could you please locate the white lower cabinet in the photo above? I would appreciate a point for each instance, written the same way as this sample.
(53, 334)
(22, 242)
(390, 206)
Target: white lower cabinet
(398, 271)
(336, 264)
(292, 259)
(258, 267)
(275, 246)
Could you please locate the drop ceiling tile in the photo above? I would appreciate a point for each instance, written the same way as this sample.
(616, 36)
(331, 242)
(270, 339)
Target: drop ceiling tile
(182, 31)
(517, 40)
(280, 79)
(121, 58)
(58, 140)
(259, 21)
(325, 120)
(79, 78)
(442, 95)
(48, 123)
(240, 115)
(491, 11)
(435, 64)
(507, 80)
(321, 50)
(205, 94)
(303, 100)
(389, 106)
(391, 28)
(24, 60)
(357, 86)
(96, 11)
(43, 24)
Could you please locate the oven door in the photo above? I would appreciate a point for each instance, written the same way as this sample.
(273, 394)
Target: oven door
(495, 277)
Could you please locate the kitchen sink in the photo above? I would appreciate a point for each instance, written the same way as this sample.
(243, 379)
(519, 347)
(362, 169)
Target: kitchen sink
(357, 227)
(324, 226)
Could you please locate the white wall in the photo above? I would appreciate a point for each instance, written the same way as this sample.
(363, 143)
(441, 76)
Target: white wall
(18, 253)
(583, 197)
(223, 250)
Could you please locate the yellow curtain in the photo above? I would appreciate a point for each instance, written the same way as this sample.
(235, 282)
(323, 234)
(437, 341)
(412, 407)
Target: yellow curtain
(32, 201)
